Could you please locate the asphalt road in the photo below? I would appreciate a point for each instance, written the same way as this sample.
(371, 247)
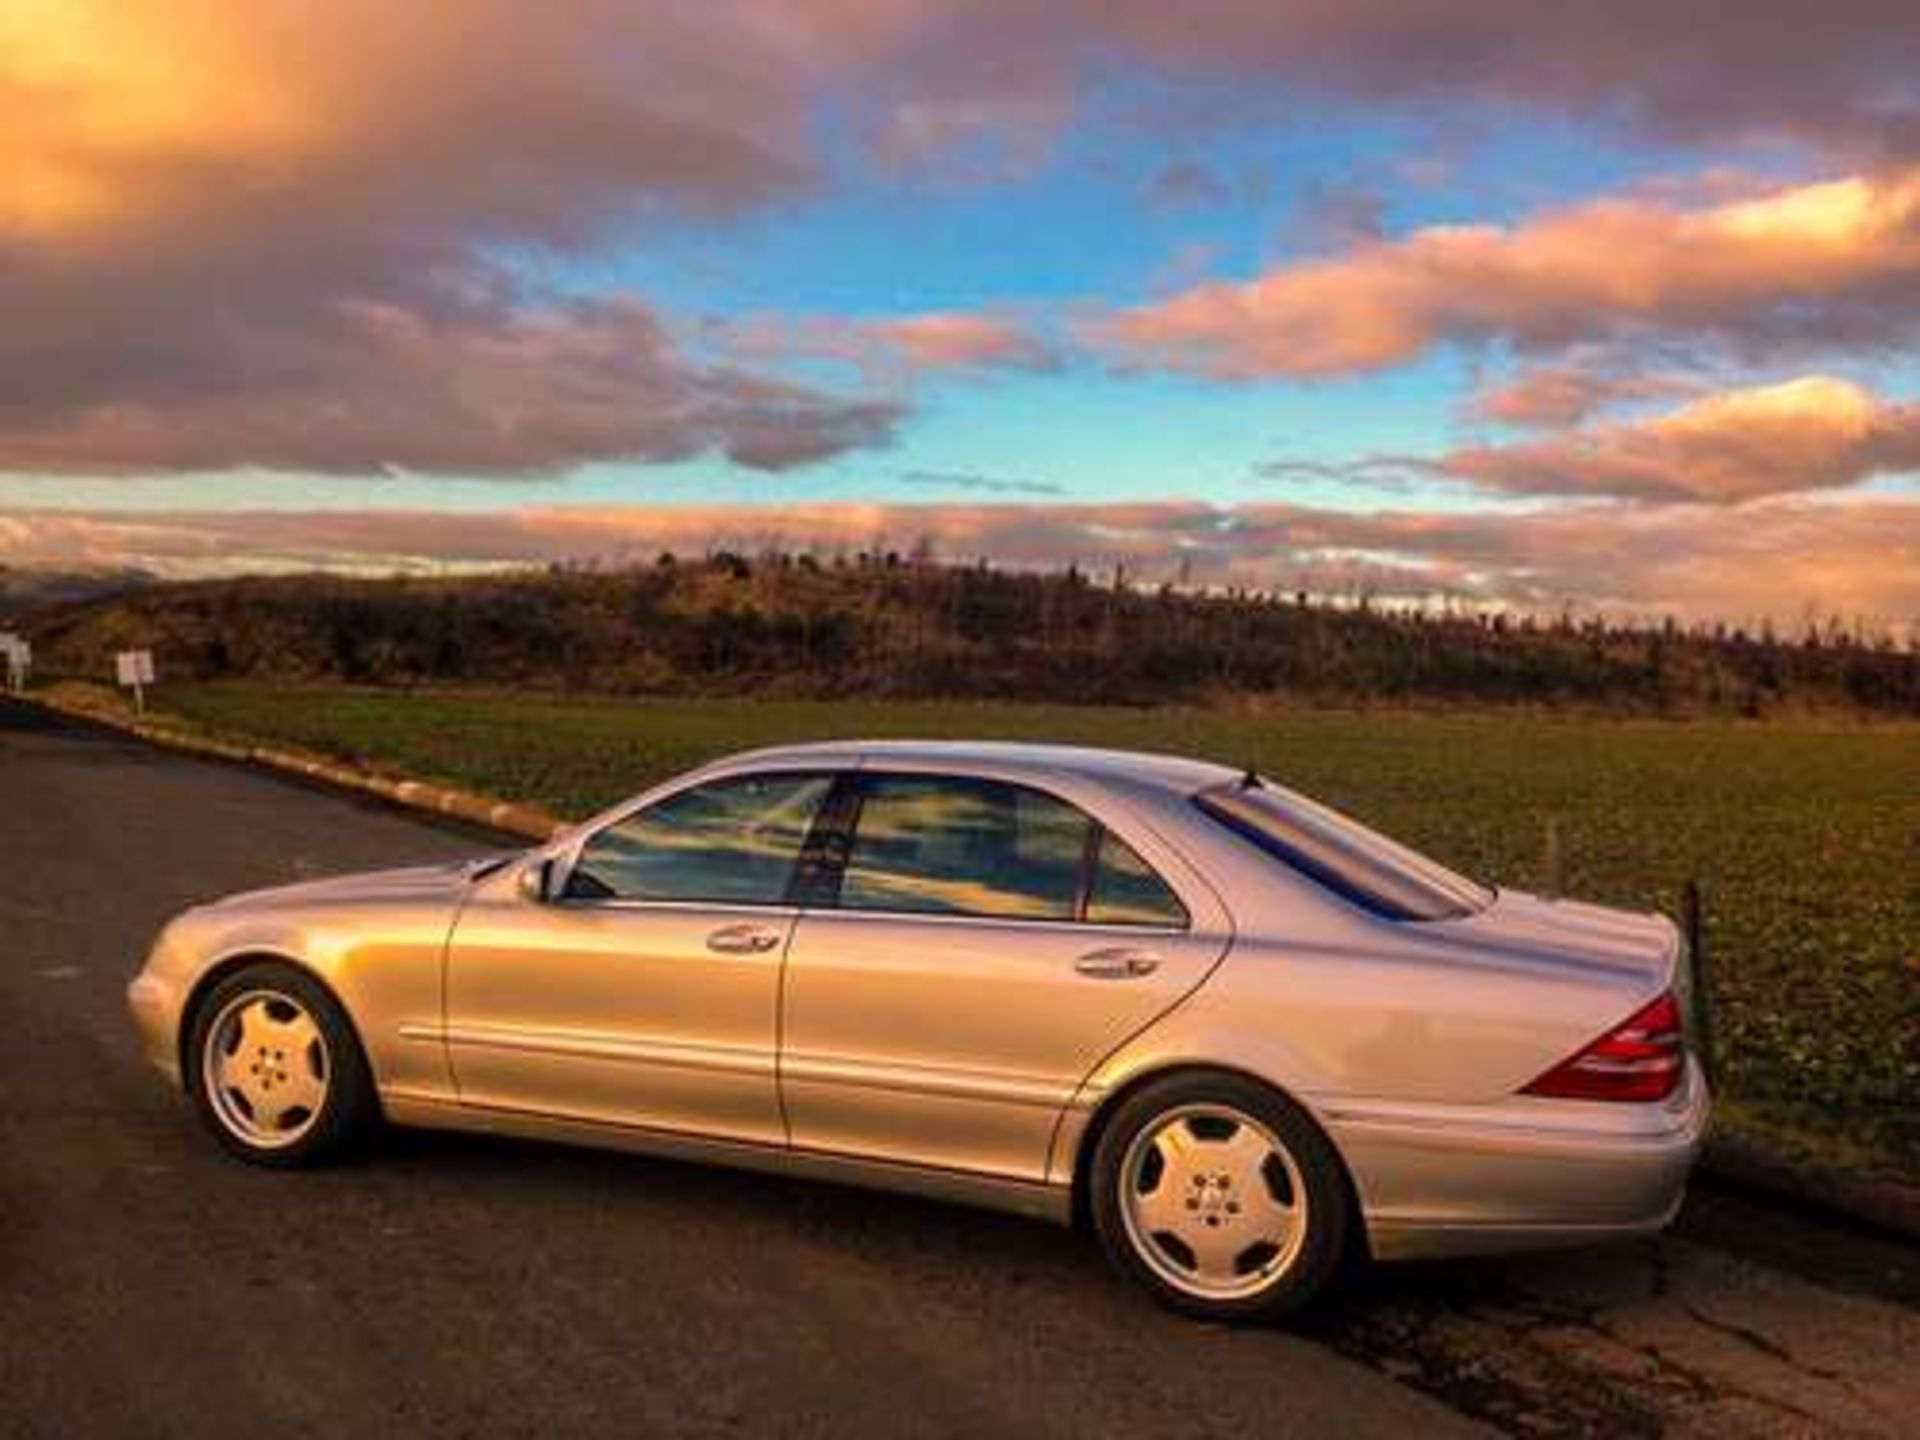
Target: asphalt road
(453, 1286)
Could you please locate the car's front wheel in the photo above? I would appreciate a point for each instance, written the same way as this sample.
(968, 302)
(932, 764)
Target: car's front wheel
(1221, 1196)
(275, 1068)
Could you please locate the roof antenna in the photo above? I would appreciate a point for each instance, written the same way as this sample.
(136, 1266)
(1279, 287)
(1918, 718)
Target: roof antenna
(1250, 780)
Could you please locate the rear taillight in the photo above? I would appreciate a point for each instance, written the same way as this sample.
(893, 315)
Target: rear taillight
(1641, 1058)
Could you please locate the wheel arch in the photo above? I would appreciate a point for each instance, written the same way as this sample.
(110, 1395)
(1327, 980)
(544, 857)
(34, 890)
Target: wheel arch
(1111, 1104)
(232, 964)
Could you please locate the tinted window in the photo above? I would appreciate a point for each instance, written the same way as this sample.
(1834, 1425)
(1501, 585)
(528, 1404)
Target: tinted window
(1125, 890)
(946, 845)
(1354, 862)
(733, 841)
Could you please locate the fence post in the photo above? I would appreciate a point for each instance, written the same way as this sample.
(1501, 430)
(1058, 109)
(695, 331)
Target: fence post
(1693, 911)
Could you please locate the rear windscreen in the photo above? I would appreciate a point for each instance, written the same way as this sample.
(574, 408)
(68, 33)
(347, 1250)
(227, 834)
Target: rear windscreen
(1358, 864)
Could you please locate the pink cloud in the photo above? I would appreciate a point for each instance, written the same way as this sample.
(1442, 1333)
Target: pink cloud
(951, 340)
(1813, 433)
(1557, 395)
(1829, 263)
(893, 352)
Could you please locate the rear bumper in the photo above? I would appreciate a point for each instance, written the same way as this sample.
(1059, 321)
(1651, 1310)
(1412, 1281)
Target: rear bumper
(1522, 1174)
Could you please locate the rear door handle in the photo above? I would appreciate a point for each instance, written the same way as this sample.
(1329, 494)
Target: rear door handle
(1119, 963)
(746, 939)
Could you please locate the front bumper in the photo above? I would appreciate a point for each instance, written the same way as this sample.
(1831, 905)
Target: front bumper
(1523, 1174)
(155, 1006)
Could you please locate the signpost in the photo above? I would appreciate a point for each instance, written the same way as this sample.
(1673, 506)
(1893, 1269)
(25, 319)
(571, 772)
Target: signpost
(17, 652)
(134, 668)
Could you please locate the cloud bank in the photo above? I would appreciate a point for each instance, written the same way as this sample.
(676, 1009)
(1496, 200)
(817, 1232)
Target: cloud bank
(1777, 558)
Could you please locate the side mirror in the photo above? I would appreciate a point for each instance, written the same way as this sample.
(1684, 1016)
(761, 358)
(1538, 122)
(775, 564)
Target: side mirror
(536, 881)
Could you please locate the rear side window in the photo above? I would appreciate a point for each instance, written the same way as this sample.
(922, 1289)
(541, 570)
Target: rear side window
(1358, 864)
(947, 845)
(959, 845)
(1125, 891)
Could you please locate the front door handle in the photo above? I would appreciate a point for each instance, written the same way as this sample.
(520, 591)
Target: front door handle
(747, 939)
(1118, 963)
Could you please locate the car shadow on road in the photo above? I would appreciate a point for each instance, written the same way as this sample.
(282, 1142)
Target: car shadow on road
(514, 1169)
(1623, 1339)
(1833, 1254)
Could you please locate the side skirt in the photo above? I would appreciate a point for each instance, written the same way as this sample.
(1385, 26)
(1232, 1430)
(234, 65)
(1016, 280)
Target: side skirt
(1017, 1197)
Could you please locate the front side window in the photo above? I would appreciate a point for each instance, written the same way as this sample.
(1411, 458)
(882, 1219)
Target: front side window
(732, 841)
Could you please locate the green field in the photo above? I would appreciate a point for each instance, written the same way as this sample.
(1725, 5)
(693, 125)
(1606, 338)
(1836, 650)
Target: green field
(1803, 835)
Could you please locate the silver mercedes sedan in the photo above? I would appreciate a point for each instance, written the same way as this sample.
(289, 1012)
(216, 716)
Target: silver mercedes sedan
(1234, 1031)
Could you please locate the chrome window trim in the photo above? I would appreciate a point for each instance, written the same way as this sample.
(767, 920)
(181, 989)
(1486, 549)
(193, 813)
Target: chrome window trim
(567, 855)
(756, 908)
(1004, 922)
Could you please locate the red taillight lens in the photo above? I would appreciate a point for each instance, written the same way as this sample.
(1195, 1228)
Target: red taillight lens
(1641, 1058)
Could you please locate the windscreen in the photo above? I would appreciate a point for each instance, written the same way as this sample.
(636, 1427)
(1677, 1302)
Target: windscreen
(1358, 864)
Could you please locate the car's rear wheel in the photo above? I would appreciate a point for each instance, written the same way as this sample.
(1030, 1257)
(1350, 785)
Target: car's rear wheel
(276, 1070)
(1220, 1196)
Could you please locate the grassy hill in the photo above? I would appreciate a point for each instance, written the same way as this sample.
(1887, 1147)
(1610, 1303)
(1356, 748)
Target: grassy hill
(27, 592)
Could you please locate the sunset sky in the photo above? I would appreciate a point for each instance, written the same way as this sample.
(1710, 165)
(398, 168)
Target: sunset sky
(1611, 304)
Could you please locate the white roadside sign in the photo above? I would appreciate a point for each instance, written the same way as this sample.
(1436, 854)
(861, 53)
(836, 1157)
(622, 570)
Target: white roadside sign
(134, 668)
(17, 654)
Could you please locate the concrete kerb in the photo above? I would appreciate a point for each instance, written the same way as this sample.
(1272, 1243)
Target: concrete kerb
(520, 820)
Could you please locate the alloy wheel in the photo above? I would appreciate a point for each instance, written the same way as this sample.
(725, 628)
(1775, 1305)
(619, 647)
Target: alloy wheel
(265, 1068)
(1213, 1202)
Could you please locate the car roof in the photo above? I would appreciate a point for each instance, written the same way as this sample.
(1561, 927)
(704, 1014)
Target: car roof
(1167, 772)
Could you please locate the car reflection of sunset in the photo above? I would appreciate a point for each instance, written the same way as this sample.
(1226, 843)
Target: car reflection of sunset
(1020, 852)
(893, 890)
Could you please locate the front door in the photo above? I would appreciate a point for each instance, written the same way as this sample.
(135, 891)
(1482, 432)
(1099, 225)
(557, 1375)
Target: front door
(987, 944)
(647, 993)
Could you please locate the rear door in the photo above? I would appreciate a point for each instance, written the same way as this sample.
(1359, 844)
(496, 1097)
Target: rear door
(978, 948)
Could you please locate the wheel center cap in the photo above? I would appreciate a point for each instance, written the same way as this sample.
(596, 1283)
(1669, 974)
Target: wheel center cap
(1211, 1195)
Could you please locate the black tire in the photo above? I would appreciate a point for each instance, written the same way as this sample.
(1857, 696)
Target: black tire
(1327, 1219)
(349, 1106)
